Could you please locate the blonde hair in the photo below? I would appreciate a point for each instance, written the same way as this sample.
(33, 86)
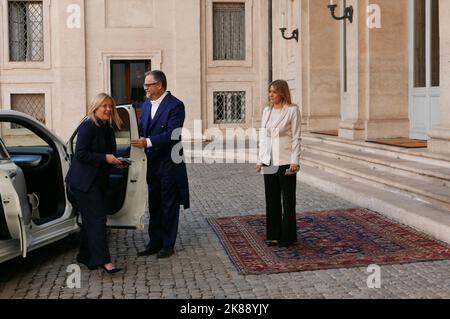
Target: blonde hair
(98, 101)
(282, 88)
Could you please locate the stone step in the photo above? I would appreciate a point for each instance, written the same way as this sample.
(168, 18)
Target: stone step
(437, 194)
(407, 168)
(417, 214)
(416, 155)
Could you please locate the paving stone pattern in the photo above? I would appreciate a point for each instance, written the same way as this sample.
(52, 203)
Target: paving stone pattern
(201, 268)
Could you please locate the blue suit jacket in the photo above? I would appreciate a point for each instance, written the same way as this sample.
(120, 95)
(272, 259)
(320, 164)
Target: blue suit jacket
(168, 118)
(89, 164)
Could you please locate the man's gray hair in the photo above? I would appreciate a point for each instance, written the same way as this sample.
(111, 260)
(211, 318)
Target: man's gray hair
(158, 76)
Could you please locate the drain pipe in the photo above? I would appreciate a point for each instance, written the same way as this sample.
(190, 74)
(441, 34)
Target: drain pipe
(270, 53)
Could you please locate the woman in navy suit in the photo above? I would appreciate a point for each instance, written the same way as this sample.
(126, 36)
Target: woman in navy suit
(88, 178)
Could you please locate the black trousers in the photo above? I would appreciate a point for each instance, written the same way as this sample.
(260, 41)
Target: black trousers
(280, 204)
(93, 249)
(164, 207)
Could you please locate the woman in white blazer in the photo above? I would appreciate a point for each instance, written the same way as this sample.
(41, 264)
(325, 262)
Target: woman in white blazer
(279, 157)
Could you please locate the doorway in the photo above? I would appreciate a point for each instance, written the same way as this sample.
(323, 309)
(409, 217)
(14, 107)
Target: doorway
(127, 79)
(424, 67)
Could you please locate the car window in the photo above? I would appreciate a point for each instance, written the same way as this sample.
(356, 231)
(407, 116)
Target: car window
(123, 135)
(14, 135)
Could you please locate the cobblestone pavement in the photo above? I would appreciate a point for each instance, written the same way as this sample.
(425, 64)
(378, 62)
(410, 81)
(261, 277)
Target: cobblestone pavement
(201, 268)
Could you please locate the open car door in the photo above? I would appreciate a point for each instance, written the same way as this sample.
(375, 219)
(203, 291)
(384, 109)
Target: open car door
(14, 207)
(127, 191)
(33, 163)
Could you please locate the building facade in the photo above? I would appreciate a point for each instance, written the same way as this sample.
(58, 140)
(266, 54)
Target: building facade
(380, 76)
(57, 54)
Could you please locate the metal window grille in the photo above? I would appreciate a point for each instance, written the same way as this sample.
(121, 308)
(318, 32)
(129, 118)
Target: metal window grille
(229, 107)
(26, 31)
(229, 31)
(31, 104)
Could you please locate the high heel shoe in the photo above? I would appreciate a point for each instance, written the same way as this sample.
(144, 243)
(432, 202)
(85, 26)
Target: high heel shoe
(111, 271)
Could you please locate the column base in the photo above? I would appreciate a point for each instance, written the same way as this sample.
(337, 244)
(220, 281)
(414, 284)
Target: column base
(440, 140)
(352, 130)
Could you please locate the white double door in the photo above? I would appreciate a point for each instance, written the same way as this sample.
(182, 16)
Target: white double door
(424, 67)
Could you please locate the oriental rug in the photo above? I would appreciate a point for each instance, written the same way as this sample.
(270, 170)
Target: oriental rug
(341, 238)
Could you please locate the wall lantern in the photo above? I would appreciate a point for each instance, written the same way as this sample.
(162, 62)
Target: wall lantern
(283, 29)
(348, 12)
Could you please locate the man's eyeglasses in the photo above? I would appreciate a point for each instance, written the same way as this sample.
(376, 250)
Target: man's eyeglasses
(147, 85)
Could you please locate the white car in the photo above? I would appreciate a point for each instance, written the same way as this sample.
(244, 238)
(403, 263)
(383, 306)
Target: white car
(36, 209)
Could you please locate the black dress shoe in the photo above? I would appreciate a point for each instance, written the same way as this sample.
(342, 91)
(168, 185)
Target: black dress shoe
(149, 251)
(165, 253)
(111, 271)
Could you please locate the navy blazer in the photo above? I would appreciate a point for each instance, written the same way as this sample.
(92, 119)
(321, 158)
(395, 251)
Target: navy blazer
(168, 118)
(89, 162)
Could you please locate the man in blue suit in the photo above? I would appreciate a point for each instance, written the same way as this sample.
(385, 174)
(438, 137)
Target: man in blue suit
(167, 178)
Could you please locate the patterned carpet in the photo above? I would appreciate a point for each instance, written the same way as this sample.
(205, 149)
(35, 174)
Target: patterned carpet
(332, 239)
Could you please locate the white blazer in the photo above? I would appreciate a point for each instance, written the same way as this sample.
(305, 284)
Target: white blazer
(282, 145)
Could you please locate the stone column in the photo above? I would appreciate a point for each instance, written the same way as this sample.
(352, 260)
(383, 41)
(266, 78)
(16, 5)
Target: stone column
(352, 125)
(440, 136)
(388, 71)
(377, 73)
(319, 39)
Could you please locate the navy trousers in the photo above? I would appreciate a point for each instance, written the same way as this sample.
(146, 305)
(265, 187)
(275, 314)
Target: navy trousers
(164, 207)
(93, 249)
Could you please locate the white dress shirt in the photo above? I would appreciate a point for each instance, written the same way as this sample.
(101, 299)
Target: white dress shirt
(155, 106)
(274, 118)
